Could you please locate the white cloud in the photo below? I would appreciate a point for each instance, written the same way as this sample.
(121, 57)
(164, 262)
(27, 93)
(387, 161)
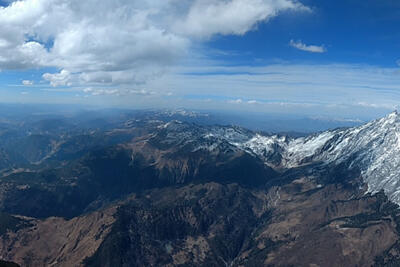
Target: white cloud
(117, 42)
(240, 101)
(105, 92)
(235, 101)
(88, 90)
(376, 105)
(27, 82)
(59, 79)
(309, 48)
(209, 17)
(96, 91)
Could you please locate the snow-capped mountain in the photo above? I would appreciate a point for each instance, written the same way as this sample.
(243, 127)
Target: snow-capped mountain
(373, 148)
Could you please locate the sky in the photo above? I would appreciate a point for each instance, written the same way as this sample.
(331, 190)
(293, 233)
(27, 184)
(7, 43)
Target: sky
(336, 59)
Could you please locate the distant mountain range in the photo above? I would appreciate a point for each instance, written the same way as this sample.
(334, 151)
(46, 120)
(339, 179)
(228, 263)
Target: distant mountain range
(163, 188)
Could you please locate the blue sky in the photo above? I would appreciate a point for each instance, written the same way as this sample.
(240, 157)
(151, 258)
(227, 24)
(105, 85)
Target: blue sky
(333, 59)
(365, 32)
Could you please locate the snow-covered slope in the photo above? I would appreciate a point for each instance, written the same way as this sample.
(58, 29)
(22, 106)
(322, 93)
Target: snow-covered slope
(373, 148)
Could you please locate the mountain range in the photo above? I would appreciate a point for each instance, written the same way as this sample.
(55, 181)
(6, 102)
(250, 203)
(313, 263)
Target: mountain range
(167, 189)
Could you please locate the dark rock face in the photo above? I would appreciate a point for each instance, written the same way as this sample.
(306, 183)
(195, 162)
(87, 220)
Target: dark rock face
(205, 224)
(218, 225)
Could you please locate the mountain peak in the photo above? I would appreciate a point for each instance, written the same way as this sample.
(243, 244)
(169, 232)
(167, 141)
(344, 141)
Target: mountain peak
(394, 114)
(390, 123)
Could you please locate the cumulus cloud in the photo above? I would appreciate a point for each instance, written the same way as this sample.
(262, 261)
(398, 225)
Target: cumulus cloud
(122, 41)
(308, 48)
(206, 18)
(59, 79)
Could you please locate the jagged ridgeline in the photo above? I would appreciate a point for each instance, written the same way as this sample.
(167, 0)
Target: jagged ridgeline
(147, 189)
